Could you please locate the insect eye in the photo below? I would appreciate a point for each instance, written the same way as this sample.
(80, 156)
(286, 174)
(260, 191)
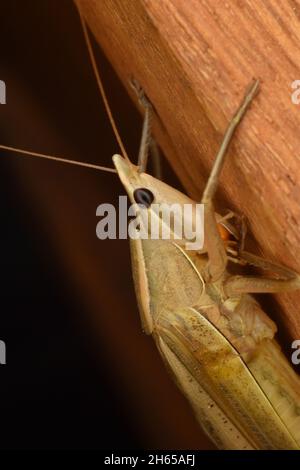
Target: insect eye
(143, 196)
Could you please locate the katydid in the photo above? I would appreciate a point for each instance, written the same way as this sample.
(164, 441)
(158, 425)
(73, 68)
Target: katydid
(212, 334)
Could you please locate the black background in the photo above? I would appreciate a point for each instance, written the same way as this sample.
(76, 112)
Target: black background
(79, 372)
(52, 392)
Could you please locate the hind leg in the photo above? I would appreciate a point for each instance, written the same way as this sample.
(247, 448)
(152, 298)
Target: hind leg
(288, 279)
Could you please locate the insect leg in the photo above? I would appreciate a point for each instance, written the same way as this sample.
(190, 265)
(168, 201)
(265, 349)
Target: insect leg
(146, 131)
(214, 244)
(212, 183)
(290, 280)
(145, 141)
(228, 216)
(238, 230)
(148, 143)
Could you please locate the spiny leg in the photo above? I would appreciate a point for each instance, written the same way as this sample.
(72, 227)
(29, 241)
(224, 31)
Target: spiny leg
(214, 244)
(235, 285)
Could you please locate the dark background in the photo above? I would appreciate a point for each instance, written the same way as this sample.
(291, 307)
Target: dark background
(80, 373)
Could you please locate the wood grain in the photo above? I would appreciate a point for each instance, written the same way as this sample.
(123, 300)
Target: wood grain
(194, 59)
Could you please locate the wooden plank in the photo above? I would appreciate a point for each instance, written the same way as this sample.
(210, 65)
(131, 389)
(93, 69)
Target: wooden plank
(194, 59)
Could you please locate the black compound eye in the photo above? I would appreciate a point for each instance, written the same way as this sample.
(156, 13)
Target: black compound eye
(143, 196)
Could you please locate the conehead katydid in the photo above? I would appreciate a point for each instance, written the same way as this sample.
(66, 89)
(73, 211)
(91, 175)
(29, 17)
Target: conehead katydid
(213, 336)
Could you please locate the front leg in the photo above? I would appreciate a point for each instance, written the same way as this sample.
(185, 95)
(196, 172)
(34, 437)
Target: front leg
(148, 142)
(215, 247)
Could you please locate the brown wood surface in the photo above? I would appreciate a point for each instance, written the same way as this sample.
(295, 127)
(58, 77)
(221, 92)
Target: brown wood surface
(194, 59)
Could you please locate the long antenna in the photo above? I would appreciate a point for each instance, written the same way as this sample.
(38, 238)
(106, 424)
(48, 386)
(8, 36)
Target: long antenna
(100, 83)
(57, 159)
